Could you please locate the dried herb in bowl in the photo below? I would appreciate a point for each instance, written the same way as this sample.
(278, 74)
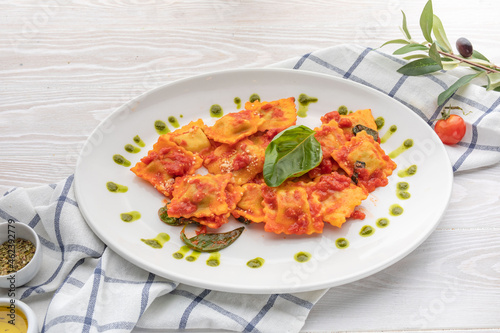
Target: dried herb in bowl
(14, 255)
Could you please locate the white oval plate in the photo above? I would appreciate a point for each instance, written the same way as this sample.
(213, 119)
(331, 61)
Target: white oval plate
(430, 188)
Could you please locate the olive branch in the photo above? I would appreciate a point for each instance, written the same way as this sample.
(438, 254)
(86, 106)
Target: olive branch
(438, 55)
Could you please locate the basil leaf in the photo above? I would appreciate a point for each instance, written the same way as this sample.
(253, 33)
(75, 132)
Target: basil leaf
(358, 128)
(442, 40)
(454, 87)
(419, 67)
(396, 41)
(426, 21)
(173, 221)
(291, 153)
(211, 242)
(410, 48)
(405, 27)
(433, 53)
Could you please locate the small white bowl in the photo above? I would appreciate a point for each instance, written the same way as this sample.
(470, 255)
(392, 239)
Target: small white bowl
(25, 274)
(24, 308)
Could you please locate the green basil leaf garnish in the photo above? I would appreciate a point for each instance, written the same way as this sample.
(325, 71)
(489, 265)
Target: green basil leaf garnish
(291, 153)
(211, 242)
(358, 128)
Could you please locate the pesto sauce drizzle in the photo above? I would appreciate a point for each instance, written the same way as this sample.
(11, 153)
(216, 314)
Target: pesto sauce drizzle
(158, 241)
(216, 111)
(253, 98)
(304, 102)
(181, 252)
(407, 144)
(214, 259)
(389, 133)
(193, 256)
(161, 127)
(396, 210)
(116, 188)
(410, 171)
(255, 263)
(130, 216)
(132, 149)
(380, 122)
(382, 222)
(119, 159)
(302, 256)
(402, 190)
(137, 139)
(366, 231)
(237, 101)
(173, 121)
(342, 243)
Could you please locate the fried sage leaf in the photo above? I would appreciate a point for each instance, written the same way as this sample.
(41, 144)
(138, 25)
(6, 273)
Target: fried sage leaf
(211, 242)
(173, 221)
(358, 128)
(291, 153)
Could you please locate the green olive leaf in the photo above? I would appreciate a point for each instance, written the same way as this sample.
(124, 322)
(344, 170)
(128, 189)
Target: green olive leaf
(449, 64)
(405, 27)
(476, 54)
(416, 56)
(410, 48)
(426, 21)
(419, 67)
(433, 53)
(211, 242)
(396, 41)
(442, 40)
(443, 97)
(493, 81)
(291, 153)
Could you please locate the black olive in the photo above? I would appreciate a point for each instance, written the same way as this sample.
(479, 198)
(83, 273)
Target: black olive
(464, 47)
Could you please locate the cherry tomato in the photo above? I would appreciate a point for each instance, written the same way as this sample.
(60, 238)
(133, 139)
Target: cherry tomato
(450, 129)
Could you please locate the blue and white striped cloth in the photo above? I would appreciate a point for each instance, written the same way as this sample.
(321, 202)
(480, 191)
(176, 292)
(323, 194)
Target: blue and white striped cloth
(85, 287)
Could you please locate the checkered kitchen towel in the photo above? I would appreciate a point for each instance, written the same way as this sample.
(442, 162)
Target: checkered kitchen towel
(85, 287)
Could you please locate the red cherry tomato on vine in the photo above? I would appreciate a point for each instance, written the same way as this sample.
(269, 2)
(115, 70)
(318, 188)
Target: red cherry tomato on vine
(450, 129)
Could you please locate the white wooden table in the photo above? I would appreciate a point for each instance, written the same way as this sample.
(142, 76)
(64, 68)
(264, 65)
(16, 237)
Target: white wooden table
(66, 65)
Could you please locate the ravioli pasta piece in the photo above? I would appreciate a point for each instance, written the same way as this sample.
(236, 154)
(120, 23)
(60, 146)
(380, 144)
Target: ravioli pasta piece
(233, 127)
(244, 160)
(336, 198)
(377, 165)
(279, 114)
(251, 204)
(165, 162)
(360, 117)
(191, 137)
(287, 210)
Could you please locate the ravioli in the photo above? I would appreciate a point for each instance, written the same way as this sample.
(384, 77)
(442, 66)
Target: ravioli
(364, 159)
(233, 127)
(244, 160)
(164, 163)
(191, 137)
(278, 114)
(287, 210)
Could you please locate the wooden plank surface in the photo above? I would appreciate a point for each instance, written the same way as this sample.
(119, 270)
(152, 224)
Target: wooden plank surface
(66, 65)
